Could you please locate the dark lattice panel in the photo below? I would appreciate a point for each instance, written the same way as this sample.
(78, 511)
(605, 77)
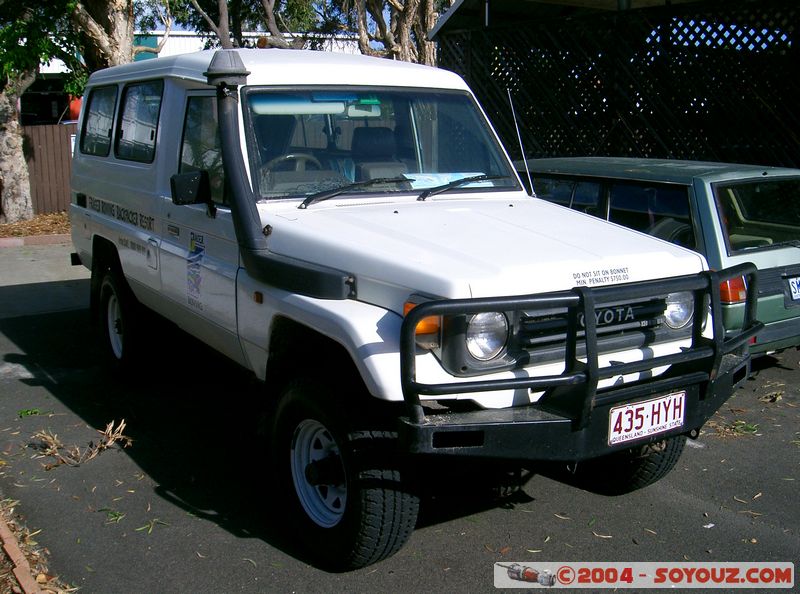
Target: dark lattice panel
(698, 81)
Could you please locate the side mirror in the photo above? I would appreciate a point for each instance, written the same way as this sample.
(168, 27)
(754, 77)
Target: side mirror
(190, 188)
(193, 187)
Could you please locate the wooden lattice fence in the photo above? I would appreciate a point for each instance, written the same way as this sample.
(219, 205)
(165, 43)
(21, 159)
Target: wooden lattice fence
(708, 81)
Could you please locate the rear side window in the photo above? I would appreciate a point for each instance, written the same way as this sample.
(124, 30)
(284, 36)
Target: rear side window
(138, 121)
(759, 214)
(96, 136)
(659, 210)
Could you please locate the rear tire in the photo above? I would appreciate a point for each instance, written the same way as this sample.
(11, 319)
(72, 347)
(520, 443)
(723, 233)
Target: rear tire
(345, 490)
(117, 321)
(629, 470)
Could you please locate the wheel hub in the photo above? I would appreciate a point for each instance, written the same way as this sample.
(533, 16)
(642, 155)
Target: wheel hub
(318, 473)
(327, 471)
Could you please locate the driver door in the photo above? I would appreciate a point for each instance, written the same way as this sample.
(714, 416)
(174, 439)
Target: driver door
(199, 249)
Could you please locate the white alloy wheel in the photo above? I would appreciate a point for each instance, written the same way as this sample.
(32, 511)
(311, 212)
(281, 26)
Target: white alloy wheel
(115, 325)
(318, 473)
(339, 479)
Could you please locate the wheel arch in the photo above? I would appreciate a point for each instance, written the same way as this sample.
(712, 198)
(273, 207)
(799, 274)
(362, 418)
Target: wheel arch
(304, 331)
(104, 258)
(294, 348)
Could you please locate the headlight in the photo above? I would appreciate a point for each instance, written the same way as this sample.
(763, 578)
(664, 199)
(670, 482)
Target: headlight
(680, 308)
(487, 334)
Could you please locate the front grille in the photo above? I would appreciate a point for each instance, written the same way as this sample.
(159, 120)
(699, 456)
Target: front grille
(544, 329)
(543, 334)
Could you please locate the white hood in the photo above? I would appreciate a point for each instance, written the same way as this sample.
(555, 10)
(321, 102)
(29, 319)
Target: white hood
(472, 247)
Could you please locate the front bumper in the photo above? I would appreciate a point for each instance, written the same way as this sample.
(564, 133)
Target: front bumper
(570, 421)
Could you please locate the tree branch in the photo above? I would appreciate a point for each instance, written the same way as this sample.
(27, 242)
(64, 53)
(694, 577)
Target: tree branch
(221, 30)
(166, 18)
(277, 38)
(20, 83)
(86, 22)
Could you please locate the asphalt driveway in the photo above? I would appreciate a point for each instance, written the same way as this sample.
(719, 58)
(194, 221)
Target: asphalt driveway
(188, 507)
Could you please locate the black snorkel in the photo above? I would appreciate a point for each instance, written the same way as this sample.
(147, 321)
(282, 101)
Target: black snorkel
(227, 73)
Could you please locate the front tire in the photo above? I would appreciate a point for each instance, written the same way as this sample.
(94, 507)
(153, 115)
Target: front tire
(629, 470)
(344, 488)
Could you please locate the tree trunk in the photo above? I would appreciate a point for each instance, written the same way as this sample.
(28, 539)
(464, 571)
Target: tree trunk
(121, 31)
(108, 27)
(15, 187)
(404, 22)
(236, 23)
(363, 35)
(426, 20)
(222, 28)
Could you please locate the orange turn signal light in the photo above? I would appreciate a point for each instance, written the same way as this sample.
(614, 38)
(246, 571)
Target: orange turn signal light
(733, 290)
(429, 325)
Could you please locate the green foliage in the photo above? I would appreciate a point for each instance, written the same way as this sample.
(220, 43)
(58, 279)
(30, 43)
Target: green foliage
(293, 16)
(248, 13)
(75, 82)
(35, 33)
(334, 17)
(298, 15)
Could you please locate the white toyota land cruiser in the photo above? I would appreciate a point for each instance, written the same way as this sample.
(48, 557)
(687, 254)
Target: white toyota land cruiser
(352, 231)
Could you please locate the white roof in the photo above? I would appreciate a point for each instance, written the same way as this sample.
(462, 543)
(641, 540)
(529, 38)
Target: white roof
(291, 67)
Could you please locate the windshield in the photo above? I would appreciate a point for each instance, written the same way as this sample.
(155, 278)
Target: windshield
(759, 214)
(304, 142)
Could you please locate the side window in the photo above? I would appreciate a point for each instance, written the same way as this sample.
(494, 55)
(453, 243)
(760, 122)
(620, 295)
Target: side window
(200, 148)
(96, 134)
(138, 121)
(578, 195)
(587, 198)
(658, 210)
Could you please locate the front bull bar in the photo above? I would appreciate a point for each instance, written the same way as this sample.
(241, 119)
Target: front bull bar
(705, 369)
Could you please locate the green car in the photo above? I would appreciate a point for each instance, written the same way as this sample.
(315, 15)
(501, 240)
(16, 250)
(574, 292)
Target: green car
(730, 213)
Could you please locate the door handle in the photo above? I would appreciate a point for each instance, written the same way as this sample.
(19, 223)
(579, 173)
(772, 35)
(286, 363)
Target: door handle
(152, 253)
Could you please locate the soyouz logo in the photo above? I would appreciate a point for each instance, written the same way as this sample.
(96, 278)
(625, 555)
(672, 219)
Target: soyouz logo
(640, 575)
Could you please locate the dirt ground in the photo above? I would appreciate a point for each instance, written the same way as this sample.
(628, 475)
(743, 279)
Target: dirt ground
(34, 554)
(43, 224)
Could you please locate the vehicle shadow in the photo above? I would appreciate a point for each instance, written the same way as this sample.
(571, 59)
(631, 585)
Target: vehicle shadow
(35, 298)
(192, 414)
(195, 419)
(764, 362)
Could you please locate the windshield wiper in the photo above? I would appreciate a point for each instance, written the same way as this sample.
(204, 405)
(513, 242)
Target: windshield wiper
(325, 194)
(456, 183)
